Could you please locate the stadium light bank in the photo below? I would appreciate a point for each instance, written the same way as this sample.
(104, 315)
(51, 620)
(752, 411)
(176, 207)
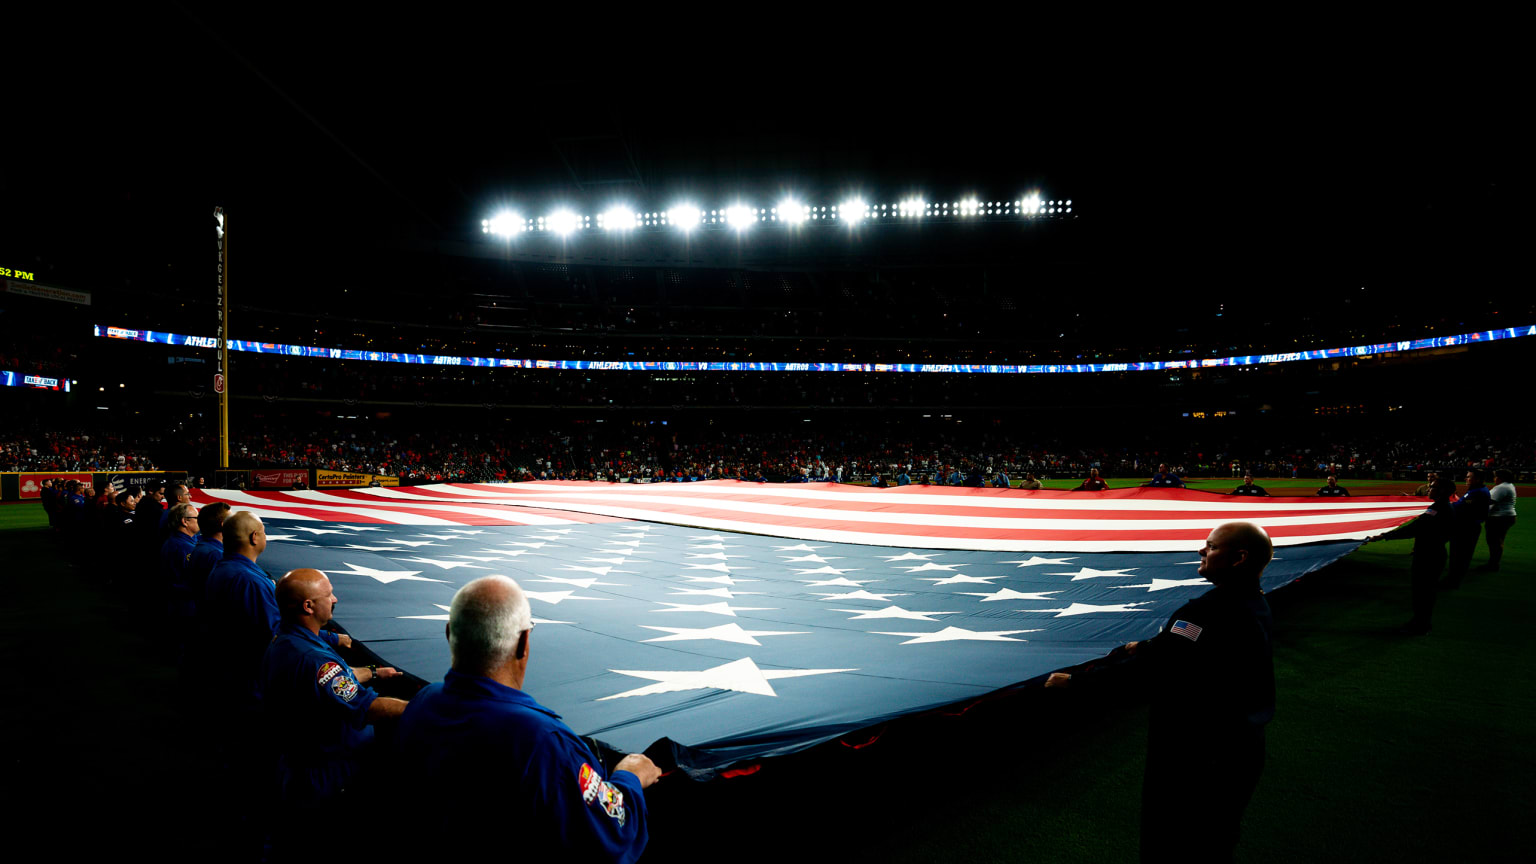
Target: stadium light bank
(788, 213)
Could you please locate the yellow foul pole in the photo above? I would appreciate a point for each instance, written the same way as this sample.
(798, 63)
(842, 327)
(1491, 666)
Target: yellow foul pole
(220, 381)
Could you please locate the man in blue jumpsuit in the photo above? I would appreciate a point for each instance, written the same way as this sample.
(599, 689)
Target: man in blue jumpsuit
(476, 750)
(208, 552)
(1166, 479)
(318, 707)
(240, 607)
(173, 563)
(1212, 676)
(1470, 510)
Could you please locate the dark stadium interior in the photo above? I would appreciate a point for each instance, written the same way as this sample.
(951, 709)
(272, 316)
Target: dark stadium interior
(1261, 213)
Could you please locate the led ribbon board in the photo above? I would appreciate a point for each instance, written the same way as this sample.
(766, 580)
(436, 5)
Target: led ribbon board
(163, 338)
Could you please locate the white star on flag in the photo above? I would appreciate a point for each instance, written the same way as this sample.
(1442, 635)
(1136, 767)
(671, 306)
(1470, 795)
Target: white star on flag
(444, 617)
(1087, 609)
(555, 597)
(800, 548)
(601, 571)
(478, 530)
(354, 546)
(838, 570)
(959, 578)
(715, 546)
(711, 608)
(358, 528)
(608, 560)
(710, 592)
(741, 676)
(1165, 584)
(817, 558)
(860, 595)
(720, 555)
(713, 538)
(483, 558)
(579, 583)
(547, 536)
(909, 556)
(929, 566)
(539, 545)
(959, 634)
(317, 530)
(718, 580)
(1090, 573)
(411, 543)
(731, 632)
(624, 543)
(446, 565)
(722, 567)
(1036, 561)
(841, 582)
(290, 537)
(893, 612)
(1010, 594)
(385, 576)
(440, 536)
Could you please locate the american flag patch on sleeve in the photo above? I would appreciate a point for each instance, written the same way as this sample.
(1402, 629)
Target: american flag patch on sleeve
(1186, 629)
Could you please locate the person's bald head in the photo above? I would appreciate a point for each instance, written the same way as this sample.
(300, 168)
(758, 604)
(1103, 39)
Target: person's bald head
(305, 593)
(1235, 551)
(244, 534)
(486, 623)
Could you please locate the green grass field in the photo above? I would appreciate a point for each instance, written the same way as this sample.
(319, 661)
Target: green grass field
(1384, 748)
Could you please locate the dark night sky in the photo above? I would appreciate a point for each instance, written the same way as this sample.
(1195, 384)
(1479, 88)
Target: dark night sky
(1192, 171)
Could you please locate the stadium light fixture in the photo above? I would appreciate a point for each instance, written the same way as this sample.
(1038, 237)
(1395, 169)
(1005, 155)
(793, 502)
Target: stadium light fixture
(740, 217)
(563, 222)
(617, 219)
(851, 212)
(684, 216)
(792, 212)
(969, 206)
(1031, 204)
(503, 224)
(913, 207)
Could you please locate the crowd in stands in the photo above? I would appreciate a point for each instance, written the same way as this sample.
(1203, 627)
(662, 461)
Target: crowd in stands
(48, 450)
(636, 452)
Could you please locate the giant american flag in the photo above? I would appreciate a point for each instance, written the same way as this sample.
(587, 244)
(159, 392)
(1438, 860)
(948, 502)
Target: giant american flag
(746, 620)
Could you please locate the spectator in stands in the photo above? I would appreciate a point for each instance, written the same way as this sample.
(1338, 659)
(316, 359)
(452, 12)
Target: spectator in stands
(1166, 478)
(1501, 515)
(1213, 678)
(510, 761)
(1094, 483)
(1030, 481)
(319, 708)
(1470, 510)
(1248, 488)
(1333, 489)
